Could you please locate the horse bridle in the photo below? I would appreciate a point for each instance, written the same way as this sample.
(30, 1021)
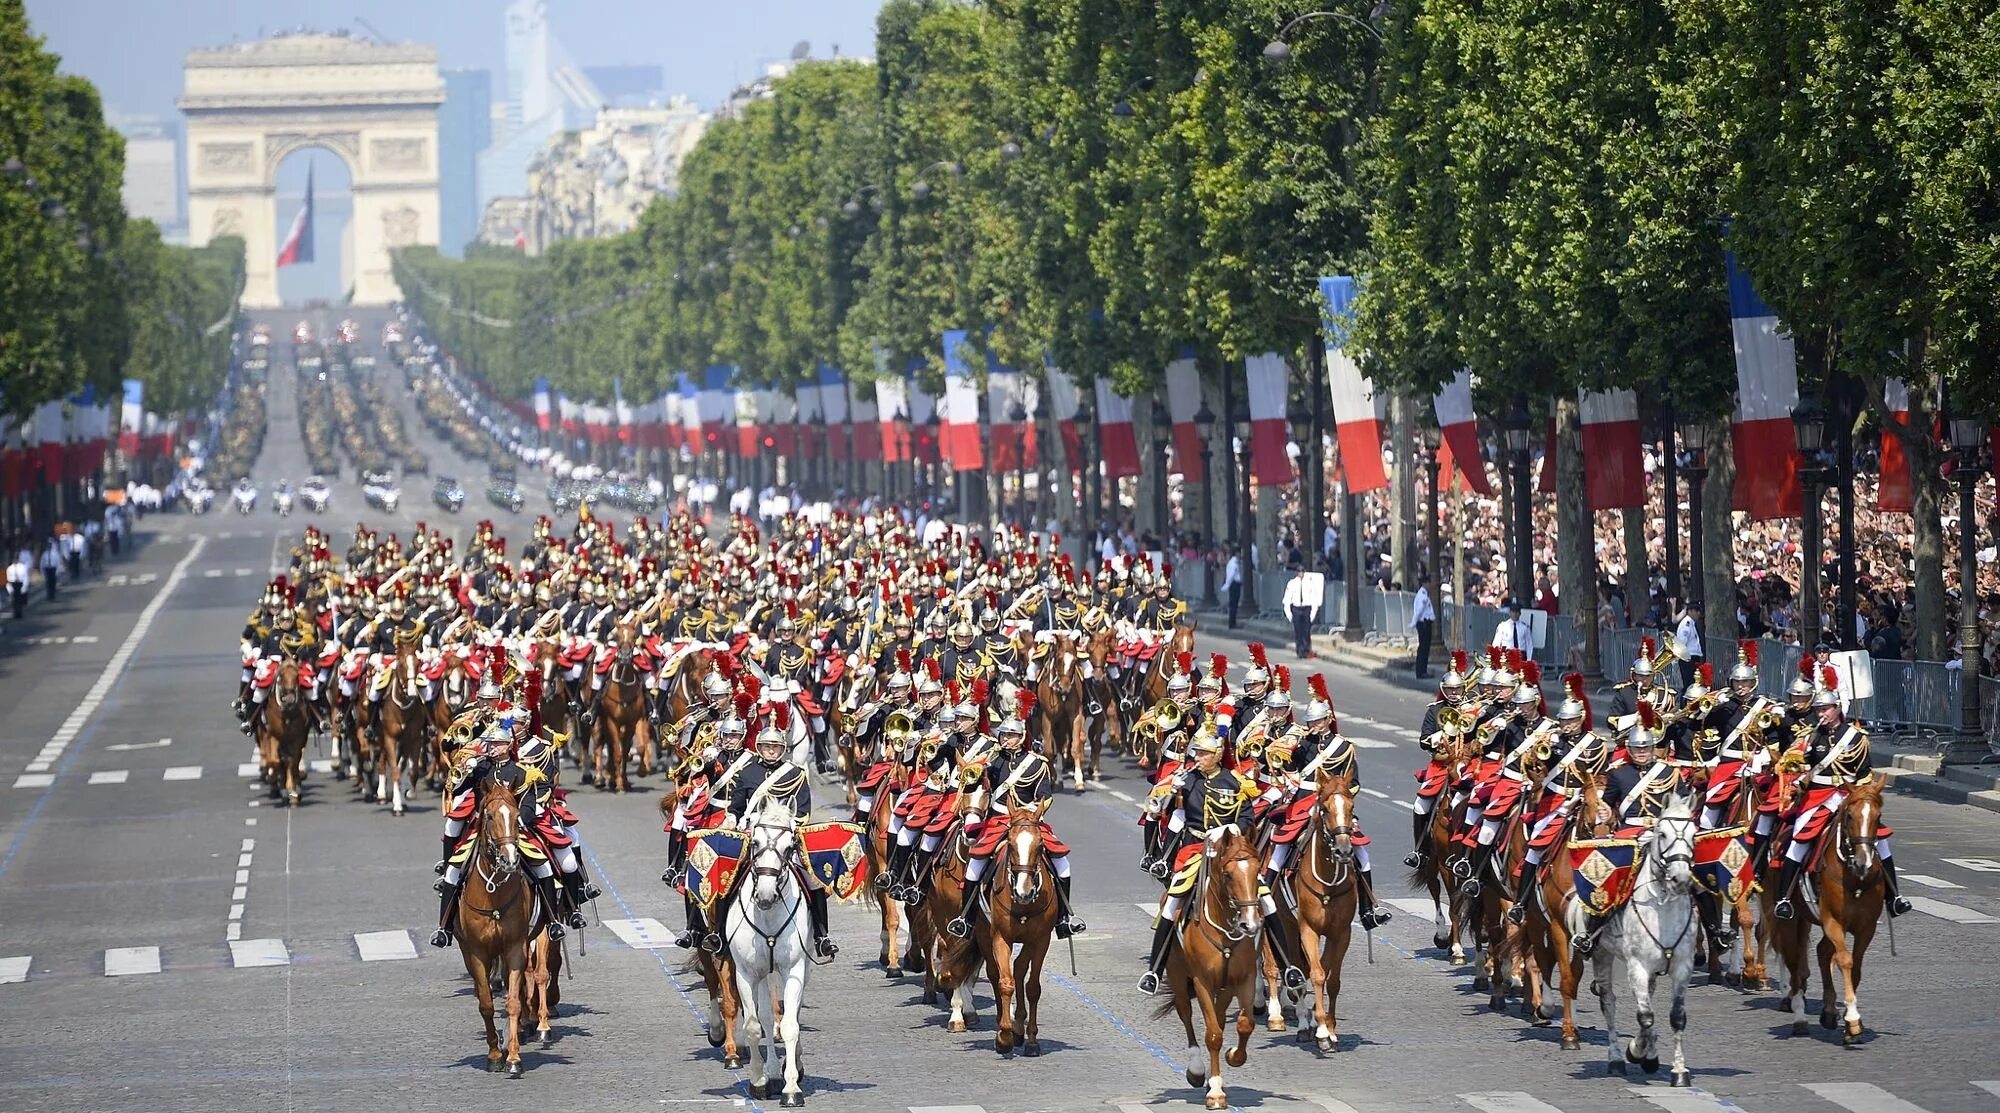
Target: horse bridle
(1342, 857)
(494, 871)
(1016, 869)
(757, 870)
(1233, 933)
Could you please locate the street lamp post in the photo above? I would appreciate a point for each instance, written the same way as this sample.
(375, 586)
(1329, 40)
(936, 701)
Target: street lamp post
(1517, 451)
(1246, 528)
(1204, 423)
(1809, 431)
(1018, 415)
(1694, 437)
(1432, 438)
(1086, 420)
(1967, 433)
(1162, 429)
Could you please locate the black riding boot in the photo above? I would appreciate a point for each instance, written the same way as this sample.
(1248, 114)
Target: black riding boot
(1372, 915)
(917, 875)
(447, 912)
(1163, 937)
(1420, 840)
(1897, 902)
(578, 893)
(1066, 922)
(1475, 865)
(892, 874)
(1709, 907)
(696, 926)
(1787, 878)
(961, 927)
(1586, 942)
(1529, 890)
(711, 939)
(545, 891)
(586, 889)
(817, 909)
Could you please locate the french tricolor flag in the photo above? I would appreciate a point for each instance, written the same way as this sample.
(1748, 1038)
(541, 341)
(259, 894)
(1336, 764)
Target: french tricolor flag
(1183, 402)
(130, 417)
(892, 399)
(866, 426)
(542, 404)
(778, 414)
(747, 433)
(1063, 405)
(1268, 379)
(833, 411)
(960, 415)
(691, 437)
(718, 407)
(1893, 494)
(1115, 440)
(810, 414)
(1460, 429)
(923, 413)
(1354, 416)
(1767, 390)
(670, 418)
(1003, 393)
(298, 246)
(568, 413)
(1614, 469)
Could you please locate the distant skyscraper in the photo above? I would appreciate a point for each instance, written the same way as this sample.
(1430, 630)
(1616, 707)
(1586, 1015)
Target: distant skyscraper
(629, 86)
(152, 189)
(547, 93)
(465, 130)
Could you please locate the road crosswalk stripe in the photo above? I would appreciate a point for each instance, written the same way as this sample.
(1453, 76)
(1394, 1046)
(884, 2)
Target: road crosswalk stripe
(1990, 1087)
(1419, 907)
(1507, 1101)
(1683, 1101)
(248, 769)
(182, 773)
(1928, 881)
(1150, 908)
(947, 1109)
(259, 952)
(1957, 914)
(34, 780)
(120, 961)
(1862, 1097)
(14, 969)
(643, 933)
(110, 776)
(321, 765)
(384, 946)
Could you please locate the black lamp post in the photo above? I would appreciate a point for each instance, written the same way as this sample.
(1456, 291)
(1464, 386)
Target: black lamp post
(1086, 421)
(1245, 528)
(1694, 438)
(1311, 476)
(1517, 452)
(1809, 432)
(1433, 436)
(1163, 425)
(1018, 415)
(1967, 436)
(1205, 421)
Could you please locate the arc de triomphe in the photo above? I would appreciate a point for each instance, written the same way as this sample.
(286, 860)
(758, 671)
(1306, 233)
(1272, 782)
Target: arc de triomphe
(374, 105)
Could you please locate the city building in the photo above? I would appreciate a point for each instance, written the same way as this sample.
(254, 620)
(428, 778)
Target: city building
(465, 128)
(153, 188)
(629, 86)
(597, 181)
(547, 94)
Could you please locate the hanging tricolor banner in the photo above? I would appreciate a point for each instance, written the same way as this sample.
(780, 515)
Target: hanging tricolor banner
(1459, 444)
(1031, 402)
(298, 246)
(1003, 394)
(1268, 379)
(129, 416)
(49, 428)
(1117, 443)
(1063, 404)
(670, 418)
(745, 419)
(893, 403)
(959, 430)
(622, 417)
(569, 415)
(718, 406)
(542, 404)
(1614, 466)
(807, 396)
(1767, 390)
(1355, 418)
(777, 413)
(866, 425)
(14, 466)
(833, 411)
(691, 437)
(597, 422)
(923, 418)
(1183, 402)
(1893, 493)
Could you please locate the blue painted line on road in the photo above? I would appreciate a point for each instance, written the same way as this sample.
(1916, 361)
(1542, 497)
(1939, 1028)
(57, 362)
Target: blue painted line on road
(1111, 1017)
(598, 871)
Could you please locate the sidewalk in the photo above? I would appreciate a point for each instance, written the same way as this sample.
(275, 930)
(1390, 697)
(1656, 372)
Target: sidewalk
(66, 588)
(1383, 659)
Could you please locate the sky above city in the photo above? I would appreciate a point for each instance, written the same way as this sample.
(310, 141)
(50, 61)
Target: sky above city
(132, 49)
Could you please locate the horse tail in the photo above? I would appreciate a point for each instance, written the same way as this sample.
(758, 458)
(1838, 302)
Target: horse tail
(1182, 990)
(669, 800)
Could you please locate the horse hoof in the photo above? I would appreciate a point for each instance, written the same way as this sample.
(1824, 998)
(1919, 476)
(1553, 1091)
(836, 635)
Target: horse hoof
(1032, 1049)
(1572, 1043)
(1327, 1046)
(1618, 1069)
(1481, 983)
(1196, 1079)
(1548, 1011)
(715, 1040)
(1650, 1065)
(1682, 1080)
(930, 997)
(1800, 1028)
(1275, 1024)
(1236, 1057)
(1497, 1003)
(1851, 1035)
(1733, 981)
(892, 972)
(514, 1069)
(757, 1091)
(1215, 1101)
(1828, 1020)
(792, 1101)
(957, 1026)
(732, 1062)
(1538, 1020)
(1304, 1036)
(1440, 941)
(548, 1037)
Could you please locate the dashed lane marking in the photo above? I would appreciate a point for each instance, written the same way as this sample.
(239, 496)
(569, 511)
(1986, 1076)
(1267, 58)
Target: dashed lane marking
(120, 961)
(1930, 882)
(1957, 914)
(1507, 1101)
(1375, 792)
(14, 969)
(213, 573)
(1976, 865)
(182, 773)
(1990, 1087)
(1123, 796)
(1367, 743)
(1862, 1097)
(224, 535)
(947, 1109)
(121, 747)
(248, 769)
(384, 946)
(34, 780)
(1691, 1100)
(110, 776)
(643, 933)
(321, 765)
(258, 952)
(1419, 907)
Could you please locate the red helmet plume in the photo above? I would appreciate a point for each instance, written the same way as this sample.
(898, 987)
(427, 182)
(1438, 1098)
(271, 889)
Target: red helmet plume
(1460, 661)
(1185, 662)
(1706, 672)
(1748, 648)
(1218, 665)
(1024, 704)
(1317, 682)
(903, 658)
(1257, 655)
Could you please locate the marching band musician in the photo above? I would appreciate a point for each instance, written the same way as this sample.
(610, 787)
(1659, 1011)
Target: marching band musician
(1314, 747)
(1433, 778)
(1740, 723)
(1509, 741)
(1635, 792)
(1014, 777)
(1835, 755)
(772, 779)
(1208, 799)
(1575, 753)
(1771, 783)
(703, 801)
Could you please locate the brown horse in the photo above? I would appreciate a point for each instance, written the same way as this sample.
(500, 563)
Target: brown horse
(1021, 912)
(401, 725)
(622, 726)
(1103, 722)
(1059, 717)
(495, 916)
(848, 697)
(1214, 959)
(281, 733)
(899, 947)
(1543, 941)
(1154, 688)
(1487, 912)
(1430, 874)
(1326, 890)
(543, 984)
(546, 659)
(951, 966)
(1850, 887)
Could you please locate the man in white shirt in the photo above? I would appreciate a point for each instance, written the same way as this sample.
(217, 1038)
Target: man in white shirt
(1515, 633)
(1687, 637)
(17, 583)
(1423, 619)
(1302, 607)
(52, 563)
(1232, 583)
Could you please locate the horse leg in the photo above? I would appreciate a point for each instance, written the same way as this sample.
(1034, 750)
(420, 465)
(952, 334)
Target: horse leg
(755, 1006)
(1028, 983)
(732, 1012)
(1681, 970)
(1827, 950)
(1240, 1054)
(1863, 933)
(1602, 969)
(1274, 991)
(1212, 1012)
(1320, 977)
(1642, 1049)
(1000, 971)
(788, 1031)
(482, 984)
(516, 959)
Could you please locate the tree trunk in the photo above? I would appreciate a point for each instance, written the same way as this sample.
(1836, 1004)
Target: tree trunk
(1718, 552)
(1638, 564)
(1270, 556)
(1928, 493)
(1576, 555)
(1409, 473)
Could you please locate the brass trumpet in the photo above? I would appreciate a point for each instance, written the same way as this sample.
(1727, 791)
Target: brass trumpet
(897, 727)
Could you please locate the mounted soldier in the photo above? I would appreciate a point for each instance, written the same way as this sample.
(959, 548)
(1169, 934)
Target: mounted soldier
(1207, 799)
(770, 780)
(1014, 778)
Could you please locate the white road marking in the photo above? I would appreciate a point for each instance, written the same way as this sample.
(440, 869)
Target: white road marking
(213, 573)
(1507, 1101)
(1405, 805)
(240, 892)
(243, 571)
(182, 773)
(1375, 792)
(123, 746)
(1682, 1101)
(35, 780)
(1928, 881)
(384, 946)
(1957, 914)
(37, 767)
(1152, 909)
(1420, 907)
(1367, 743)
(321, 765)
(223, 535)
(242, 877)
(947, 1109)
(84, 639)
(243, 861)
(120, 961)
(235, 913)
(235, 932)
(248, 845)
(1862, 1097)
(259, 952)
(110, 776)
(1990, 1087)
(250, 822)
(1123, 796)
(14, 969)
(644, 933)
(248, 769)
(1976, 865)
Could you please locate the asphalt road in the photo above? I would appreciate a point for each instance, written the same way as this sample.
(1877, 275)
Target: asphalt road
(169, 941)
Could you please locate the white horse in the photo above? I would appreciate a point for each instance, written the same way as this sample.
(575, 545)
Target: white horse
(767, 928)
(1653, 934)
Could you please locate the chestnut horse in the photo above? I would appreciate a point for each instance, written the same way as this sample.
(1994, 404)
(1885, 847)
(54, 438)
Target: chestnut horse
(1326, 891)
(1543, 941)
(401, 722)
(1430, 874)
(281, 733)
(543, 984)
(1101, 718)
(1214, 959)
(496, 913)
(1850, 888)
(1059, 719)
(1020, 912)
(622, 725)
(951, 966)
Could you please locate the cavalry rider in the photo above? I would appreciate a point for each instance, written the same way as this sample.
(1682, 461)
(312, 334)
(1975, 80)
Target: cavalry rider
(1433, 778)
(1576, 753)
(772, 779)
(259, 643)
(922, 814)
(1295, 764)
(792, 662)
(1740, 722)
(1769, 785)
(1636, 791)
(1495, 798)
(869, 722)
(1210, 798)
(1014, 778)
(1162, 613)
(1835, 757)
(964, 660)
(703, 802)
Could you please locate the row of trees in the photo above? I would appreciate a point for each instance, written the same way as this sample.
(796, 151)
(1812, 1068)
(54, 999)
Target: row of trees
(87, 297)
(1540, 190)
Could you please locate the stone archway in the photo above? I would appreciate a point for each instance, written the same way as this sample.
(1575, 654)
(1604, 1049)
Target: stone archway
(374, 105)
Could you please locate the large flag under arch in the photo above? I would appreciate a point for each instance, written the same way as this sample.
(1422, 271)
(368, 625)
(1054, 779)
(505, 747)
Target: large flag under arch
(298, 246)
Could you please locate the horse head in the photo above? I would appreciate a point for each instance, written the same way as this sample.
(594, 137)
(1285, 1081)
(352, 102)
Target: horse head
(1336, 815)
(500, 829)
(285, 689)
(1024, 853)
(773, 850)
(625, 638)
(1233, 867)
(1673, 842)
(1860, 819)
